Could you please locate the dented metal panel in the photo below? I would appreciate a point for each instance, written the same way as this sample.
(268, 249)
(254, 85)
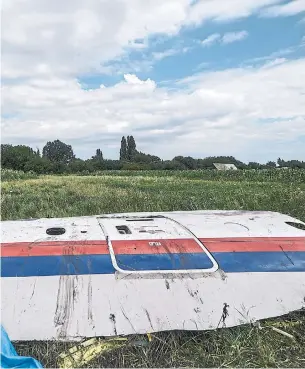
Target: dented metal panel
(145, 272)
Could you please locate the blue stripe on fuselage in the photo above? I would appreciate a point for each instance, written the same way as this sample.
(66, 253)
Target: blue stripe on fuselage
(231, 262)
(56, 265)
(163, 261)
(238, 262)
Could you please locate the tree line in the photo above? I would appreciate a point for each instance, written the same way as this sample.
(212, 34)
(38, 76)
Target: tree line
(58, 157)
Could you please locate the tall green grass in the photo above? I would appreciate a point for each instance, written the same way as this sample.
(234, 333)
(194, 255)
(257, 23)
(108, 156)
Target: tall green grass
(14, 175)
(265, 175)
(52, 196)
(262, 175)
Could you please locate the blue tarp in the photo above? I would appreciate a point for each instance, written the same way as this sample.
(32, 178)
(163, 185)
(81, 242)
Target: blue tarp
(10, 358)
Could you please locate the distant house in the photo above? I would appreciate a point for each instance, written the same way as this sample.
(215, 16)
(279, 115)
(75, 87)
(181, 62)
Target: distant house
(220, 166)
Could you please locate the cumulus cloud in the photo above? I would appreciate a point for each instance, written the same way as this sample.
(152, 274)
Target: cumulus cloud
(43, 37)
(75, 37)
(222, 111)
(46, 45)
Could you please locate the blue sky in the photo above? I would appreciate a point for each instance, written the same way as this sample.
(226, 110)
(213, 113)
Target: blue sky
(200, 78)
(265, 36)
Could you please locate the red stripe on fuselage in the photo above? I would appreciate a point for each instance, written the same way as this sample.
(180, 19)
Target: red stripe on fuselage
(174, 246)
(254, 244)
(161, 246)
(55, 248)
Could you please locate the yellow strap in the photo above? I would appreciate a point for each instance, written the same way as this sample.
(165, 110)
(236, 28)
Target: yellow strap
(86, 351)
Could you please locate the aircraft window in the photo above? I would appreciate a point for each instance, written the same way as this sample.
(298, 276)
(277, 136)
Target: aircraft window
(55, 231)
(296, 225)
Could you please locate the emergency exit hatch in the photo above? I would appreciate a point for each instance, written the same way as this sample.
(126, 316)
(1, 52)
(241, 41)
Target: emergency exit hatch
(154, 245)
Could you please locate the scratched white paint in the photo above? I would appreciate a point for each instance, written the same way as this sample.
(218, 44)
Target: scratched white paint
(182, 304)
(73, 307)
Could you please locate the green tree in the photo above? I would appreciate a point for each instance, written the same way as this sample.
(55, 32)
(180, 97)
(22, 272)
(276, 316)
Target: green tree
(39, 165)
(98, 155)
(254, 165)
(113, 164)
(280, 162)
(140, 157)
(77, 165)
(207, 163)
(295, 164)
(58, 152)
(15, 157)
(188, 162)
(131, 148)
(97, 161)
(123, 149)
(172, 165)
(291, 163)
(271, 164)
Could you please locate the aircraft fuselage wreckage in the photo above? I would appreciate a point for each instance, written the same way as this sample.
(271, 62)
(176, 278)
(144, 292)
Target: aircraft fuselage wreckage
(137, 273)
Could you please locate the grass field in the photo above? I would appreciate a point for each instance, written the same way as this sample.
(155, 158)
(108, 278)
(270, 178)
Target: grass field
(27, 195)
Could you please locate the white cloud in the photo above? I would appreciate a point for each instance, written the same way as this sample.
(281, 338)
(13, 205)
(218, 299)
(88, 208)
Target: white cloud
(220, 10)
(69, 37)
(209, 113)
(276, 56)
(274, 62)
(210, 40)
(75, 37)
(47, 44)
(169, 52)
(146, 61)
(230, 37)
(227, 38)
(291, 8)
